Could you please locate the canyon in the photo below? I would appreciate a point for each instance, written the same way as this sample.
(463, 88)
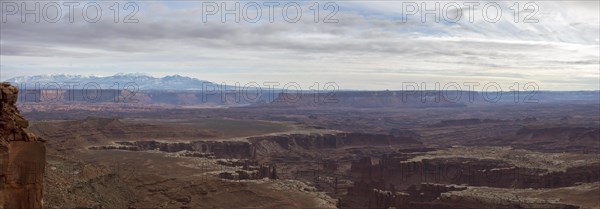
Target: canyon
(369, 150)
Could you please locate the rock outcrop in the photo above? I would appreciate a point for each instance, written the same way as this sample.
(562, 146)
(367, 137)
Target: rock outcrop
(214, 149)
(469, 171)
(267, 145)
(581, 139)
(393, 180)
(22, 156)
(264, 145)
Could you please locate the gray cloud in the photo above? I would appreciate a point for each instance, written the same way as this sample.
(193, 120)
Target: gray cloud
(174, 39)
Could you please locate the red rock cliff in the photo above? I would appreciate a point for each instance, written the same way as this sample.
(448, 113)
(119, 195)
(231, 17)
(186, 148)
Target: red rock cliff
(22, 157)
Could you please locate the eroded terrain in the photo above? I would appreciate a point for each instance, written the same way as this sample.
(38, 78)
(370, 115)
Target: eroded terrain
(357, 155)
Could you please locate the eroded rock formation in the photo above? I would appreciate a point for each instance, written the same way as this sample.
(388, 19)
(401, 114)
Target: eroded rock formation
(393, 181)
(22, 156)
(267, 145)
(264, 145)
(474, 172)
(218, 149)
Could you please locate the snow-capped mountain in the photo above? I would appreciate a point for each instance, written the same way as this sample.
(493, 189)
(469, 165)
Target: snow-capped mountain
(118, 81)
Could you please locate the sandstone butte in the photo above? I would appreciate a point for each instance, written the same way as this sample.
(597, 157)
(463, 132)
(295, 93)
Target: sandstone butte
(22, 157)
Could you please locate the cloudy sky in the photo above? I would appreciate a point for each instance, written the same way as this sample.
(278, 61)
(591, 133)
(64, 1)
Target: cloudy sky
(360, 45)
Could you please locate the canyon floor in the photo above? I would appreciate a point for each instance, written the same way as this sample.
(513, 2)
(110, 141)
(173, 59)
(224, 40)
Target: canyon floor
(481, 156)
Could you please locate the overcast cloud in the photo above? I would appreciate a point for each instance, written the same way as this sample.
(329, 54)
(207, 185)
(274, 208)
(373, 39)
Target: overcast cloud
(370, 47)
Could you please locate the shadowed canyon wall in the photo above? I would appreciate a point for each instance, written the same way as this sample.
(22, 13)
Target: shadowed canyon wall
(22, 157)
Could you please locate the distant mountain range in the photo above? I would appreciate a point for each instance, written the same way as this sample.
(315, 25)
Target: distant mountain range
(143, 82)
